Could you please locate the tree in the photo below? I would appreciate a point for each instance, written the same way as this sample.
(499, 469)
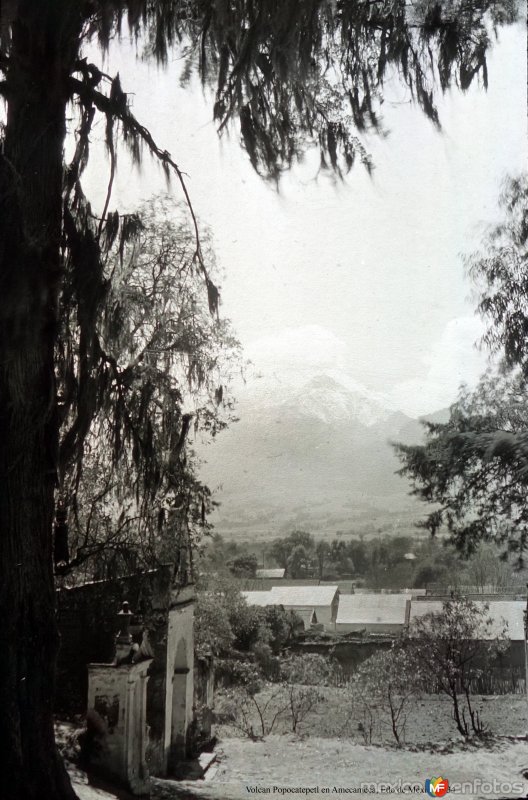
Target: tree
(486, 569)
(282, 550)
(294, 74)
(452, 649)
(322, 553)
(338, 559)
(244, 566)
(156, 329)
(472, 470)
(299, 563)
(213, 634)
(358, 555)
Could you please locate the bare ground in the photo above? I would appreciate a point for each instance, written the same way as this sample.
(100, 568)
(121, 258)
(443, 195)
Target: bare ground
(320, 759)
(429, 719)
(281, 762)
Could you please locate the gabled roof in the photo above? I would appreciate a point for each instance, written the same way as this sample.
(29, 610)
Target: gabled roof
(506, 615)
(310, 596)
(307, 615)
(369, 609)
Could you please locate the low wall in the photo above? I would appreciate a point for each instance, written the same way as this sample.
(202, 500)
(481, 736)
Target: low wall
(506, 676)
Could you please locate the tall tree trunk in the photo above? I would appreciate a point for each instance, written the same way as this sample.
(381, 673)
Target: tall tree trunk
(31, 174)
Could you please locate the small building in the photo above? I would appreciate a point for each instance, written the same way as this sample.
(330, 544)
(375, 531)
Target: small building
(274, 574)
(322, 601)
(373, 613)
(508, 672)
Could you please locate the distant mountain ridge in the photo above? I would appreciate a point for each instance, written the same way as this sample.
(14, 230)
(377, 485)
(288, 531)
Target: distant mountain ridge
(326, 399)
(318, 457)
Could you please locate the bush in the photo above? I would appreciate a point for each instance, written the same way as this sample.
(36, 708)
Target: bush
(382, 692)
(268, 664)
(311, 669)
(255, 715)
(301, 678)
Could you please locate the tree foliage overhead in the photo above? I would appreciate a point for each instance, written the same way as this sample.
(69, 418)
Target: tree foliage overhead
(293, 74)
(473, 469)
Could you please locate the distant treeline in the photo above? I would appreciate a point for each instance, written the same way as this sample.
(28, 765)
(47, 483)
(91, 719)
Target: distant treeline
(389, 562)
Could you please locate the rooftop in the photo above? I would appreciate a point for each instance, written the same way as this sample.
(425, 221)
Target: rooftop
(292, 596)
(271, 573)
(509, 613)
(257, 598)
(369, 609)
(303, 595)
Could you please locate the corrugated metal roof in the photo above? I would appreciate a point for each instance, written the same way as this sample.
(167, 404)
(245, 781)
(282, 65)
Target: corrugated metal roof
(310, 596)
(368, 609)
(421, 607)
(509, 613)
(271, 573)
(258, 598)
(260, 584)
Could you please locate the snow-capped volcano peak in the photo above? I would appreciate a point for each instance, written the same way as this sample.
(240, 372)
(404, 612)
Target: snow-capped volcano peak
(329, 399)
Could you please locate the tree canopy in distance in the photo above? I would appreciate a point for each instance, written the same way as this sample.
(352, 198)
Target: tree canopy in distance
(290, 74)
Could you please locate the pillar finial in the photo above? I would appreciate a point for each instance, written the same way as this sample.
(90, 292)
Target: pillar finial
(124, 637)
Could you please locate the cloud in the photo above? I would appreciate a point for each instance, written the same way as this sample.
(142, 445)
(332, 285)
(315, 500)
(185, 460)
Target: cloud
(294, 352)
(453, 360)
(286, 360)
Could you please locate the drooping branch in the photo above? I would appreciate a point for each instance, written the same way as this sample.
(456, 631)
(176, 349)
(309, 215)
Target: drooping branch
(115, 107)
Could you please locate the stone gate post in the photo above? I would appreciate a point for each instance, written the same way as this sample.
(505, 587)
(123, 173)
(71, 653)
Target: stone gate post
(117, 697)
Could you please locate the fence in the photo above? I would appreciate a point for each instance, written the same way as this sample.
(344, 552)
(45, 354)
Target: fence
(502, 680)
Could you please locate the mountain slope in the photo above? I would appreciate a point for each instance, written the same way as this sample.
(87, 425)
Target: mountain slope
(319, 458)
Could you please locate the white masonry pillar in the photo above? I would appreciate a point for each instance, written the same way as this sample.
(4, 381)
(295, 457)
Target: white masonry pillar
(117, 700)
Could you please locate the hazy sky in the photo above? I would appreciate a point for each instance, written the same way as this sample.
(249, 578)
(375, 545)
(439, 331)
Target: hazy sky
(362, 279)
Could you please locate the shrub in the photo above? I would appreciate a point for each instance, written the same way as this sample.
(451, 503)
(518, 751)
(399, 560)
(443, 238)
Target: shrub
(382, 690)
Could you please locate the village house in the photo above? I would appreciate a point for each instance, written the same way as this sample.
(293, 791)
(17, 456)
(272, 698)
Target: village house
(373, 613)
(307, 601)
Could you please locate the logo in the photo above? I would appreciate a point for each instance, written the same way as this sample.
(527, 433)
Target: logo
(436, 787)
